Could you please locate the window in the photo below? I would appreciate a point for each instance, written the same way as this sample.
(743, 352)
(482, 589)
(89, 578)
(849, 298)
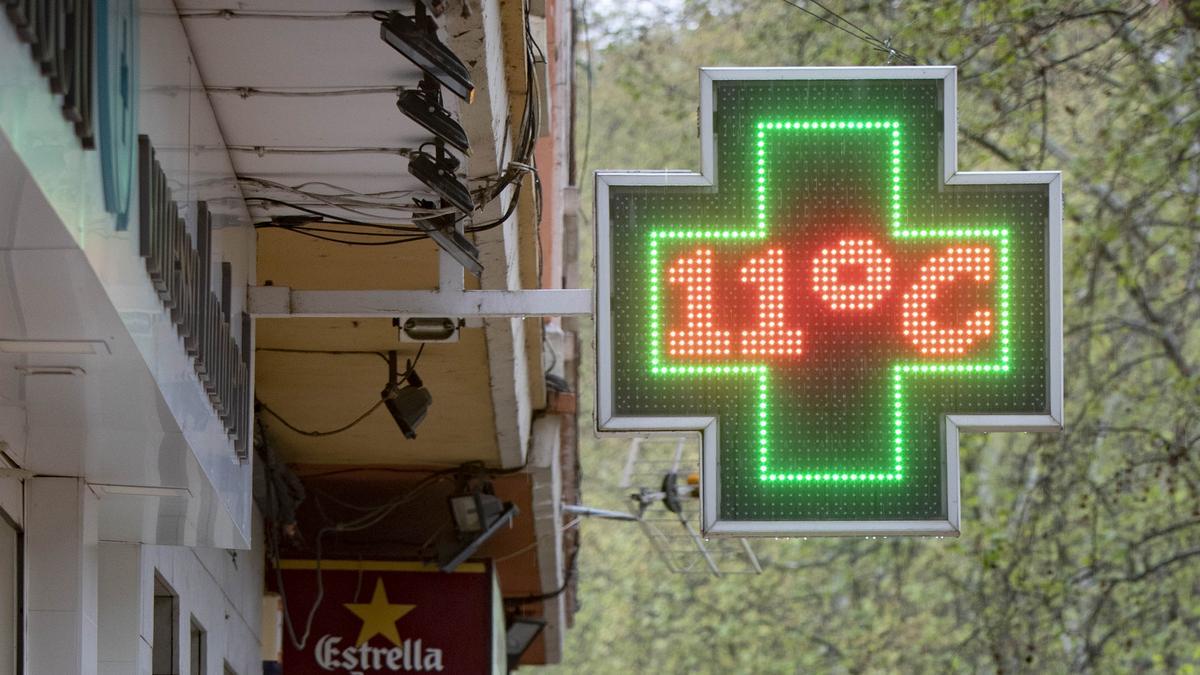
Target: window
(164, 654)
(198, 640)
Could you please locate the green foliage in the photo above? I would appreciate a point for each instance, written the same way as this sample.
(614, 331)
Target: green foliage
(1081, 551)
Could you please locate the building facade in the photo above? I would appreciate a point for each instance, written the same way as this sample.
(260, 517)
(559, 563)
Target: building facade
(281, 335)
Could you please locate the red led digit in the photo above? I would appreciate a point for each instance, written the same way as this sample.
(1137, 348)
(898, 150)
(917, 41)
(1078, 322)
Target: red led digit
(699, 338)
(771, 338)
(924, 331)
(839, 295)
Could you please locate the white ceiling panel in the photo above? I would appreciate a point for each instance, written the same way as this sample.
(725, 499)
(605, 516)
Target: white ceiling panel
(260, 52)
(281, 49)
(343, 121)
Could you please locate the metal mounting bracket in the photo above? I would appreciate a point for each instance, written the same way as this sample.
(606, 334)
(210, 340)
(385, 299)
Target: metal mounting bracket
(281, 301)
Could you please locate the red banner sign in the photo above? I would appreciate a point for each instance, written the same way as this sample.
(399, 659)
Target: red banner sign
(388, 617)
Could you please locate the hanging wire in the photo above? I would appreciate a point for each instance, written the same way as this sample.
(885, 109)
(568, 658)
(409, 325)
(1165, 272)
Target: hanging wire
(338, 352)
(274, 14)
(367, 520)
(345, 191)
(854, 30)
(311, 233)
(337, 229)
(359, 204)
(318, 434)
(316, 228)
(587, 126)
(331, 217)
(247, 92)
(349, 425)
(262, 150)
(348, 200)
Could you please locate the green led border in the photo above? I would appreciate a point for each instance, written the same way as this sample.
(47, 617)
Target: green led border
(895, 474)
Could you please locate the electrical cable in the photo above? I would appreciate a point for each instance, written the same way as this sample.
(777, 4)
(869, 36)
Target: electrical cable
(355, 525)
(262, 150)
(346, 193)
(247, 92)
(318, 434)
(568, 577)
(371, 469)
(345, 427)
(285, 350)
(275, 14)
(587, 126)
(512, 206)
(306, 232)
(314, 227)
(523, 161)
(347, 203)
(522, 164)
(858, 32)
(323, 214)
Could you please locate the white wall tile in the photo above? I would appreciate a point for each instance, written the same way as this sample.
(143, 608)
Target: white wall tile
(48, 649)
(120, 603)
(53, 544)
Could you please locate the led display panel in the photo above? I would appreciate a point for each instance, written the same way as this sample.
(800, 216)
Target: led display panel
(829, 302)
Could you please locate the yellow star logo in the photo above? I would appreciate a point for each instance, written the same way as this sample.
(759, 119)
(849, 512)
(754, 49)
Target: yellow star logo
(379, 616)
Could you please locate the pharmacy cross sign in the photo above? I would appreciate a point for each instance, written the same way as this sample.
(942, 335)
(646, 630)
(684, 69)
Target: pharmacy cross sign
(829, 302)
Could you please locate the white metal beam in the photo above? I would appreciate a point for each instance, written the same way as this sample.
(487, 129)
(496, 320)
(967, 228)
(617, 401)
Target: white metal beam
(283, 302)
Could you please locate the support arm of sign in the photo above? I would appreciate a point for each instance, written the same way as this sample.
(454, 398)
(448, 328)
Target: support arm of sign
(281, 301)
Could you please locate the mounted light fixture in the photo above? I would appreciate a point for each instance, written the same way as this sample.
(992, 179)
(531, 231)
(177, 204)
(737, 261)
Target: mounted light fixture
(437, 173)
(416, 38)
(427, 329)
(475, 511)
(423, 105)
(477, 514)
(520, 634)
(408, 404)
(443, 231)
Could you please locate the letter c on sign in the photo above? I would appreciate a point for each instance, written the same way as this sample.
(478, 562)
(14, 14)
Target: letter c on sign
(923, 331)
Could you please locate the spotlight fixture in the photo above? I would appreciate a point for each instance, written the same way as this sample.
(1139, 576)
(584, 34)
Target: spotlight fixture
(416, 38)
(474, 511)
(408, 404)
(427, 329)
(443, 231)
(424, 106)
(478, 514)
(437, 173)
(519, 635)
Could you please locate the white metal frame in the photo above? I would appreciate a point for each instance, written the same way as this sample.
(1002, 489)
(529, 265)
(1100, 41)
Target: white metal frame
(450, 300)
(269, 302)
(607, 421)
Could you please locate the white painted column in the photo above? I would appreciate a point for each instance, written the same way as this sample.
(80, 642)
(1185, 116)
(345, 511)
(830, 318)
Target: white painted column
(61, 555)
(121, 648)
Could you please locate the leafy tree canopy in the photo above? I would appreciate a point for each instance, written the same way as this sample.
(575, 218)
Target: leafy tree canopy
(1080, 551)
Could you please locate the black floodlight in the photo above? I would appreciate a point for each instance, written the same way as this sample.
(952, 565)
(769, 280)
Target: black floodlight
(520, 634)
(437, 173)
(408, 404)
(416, 38)
(454, 551)
(474, 511)
(477, 513)
(442, 231)
(424, 106)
